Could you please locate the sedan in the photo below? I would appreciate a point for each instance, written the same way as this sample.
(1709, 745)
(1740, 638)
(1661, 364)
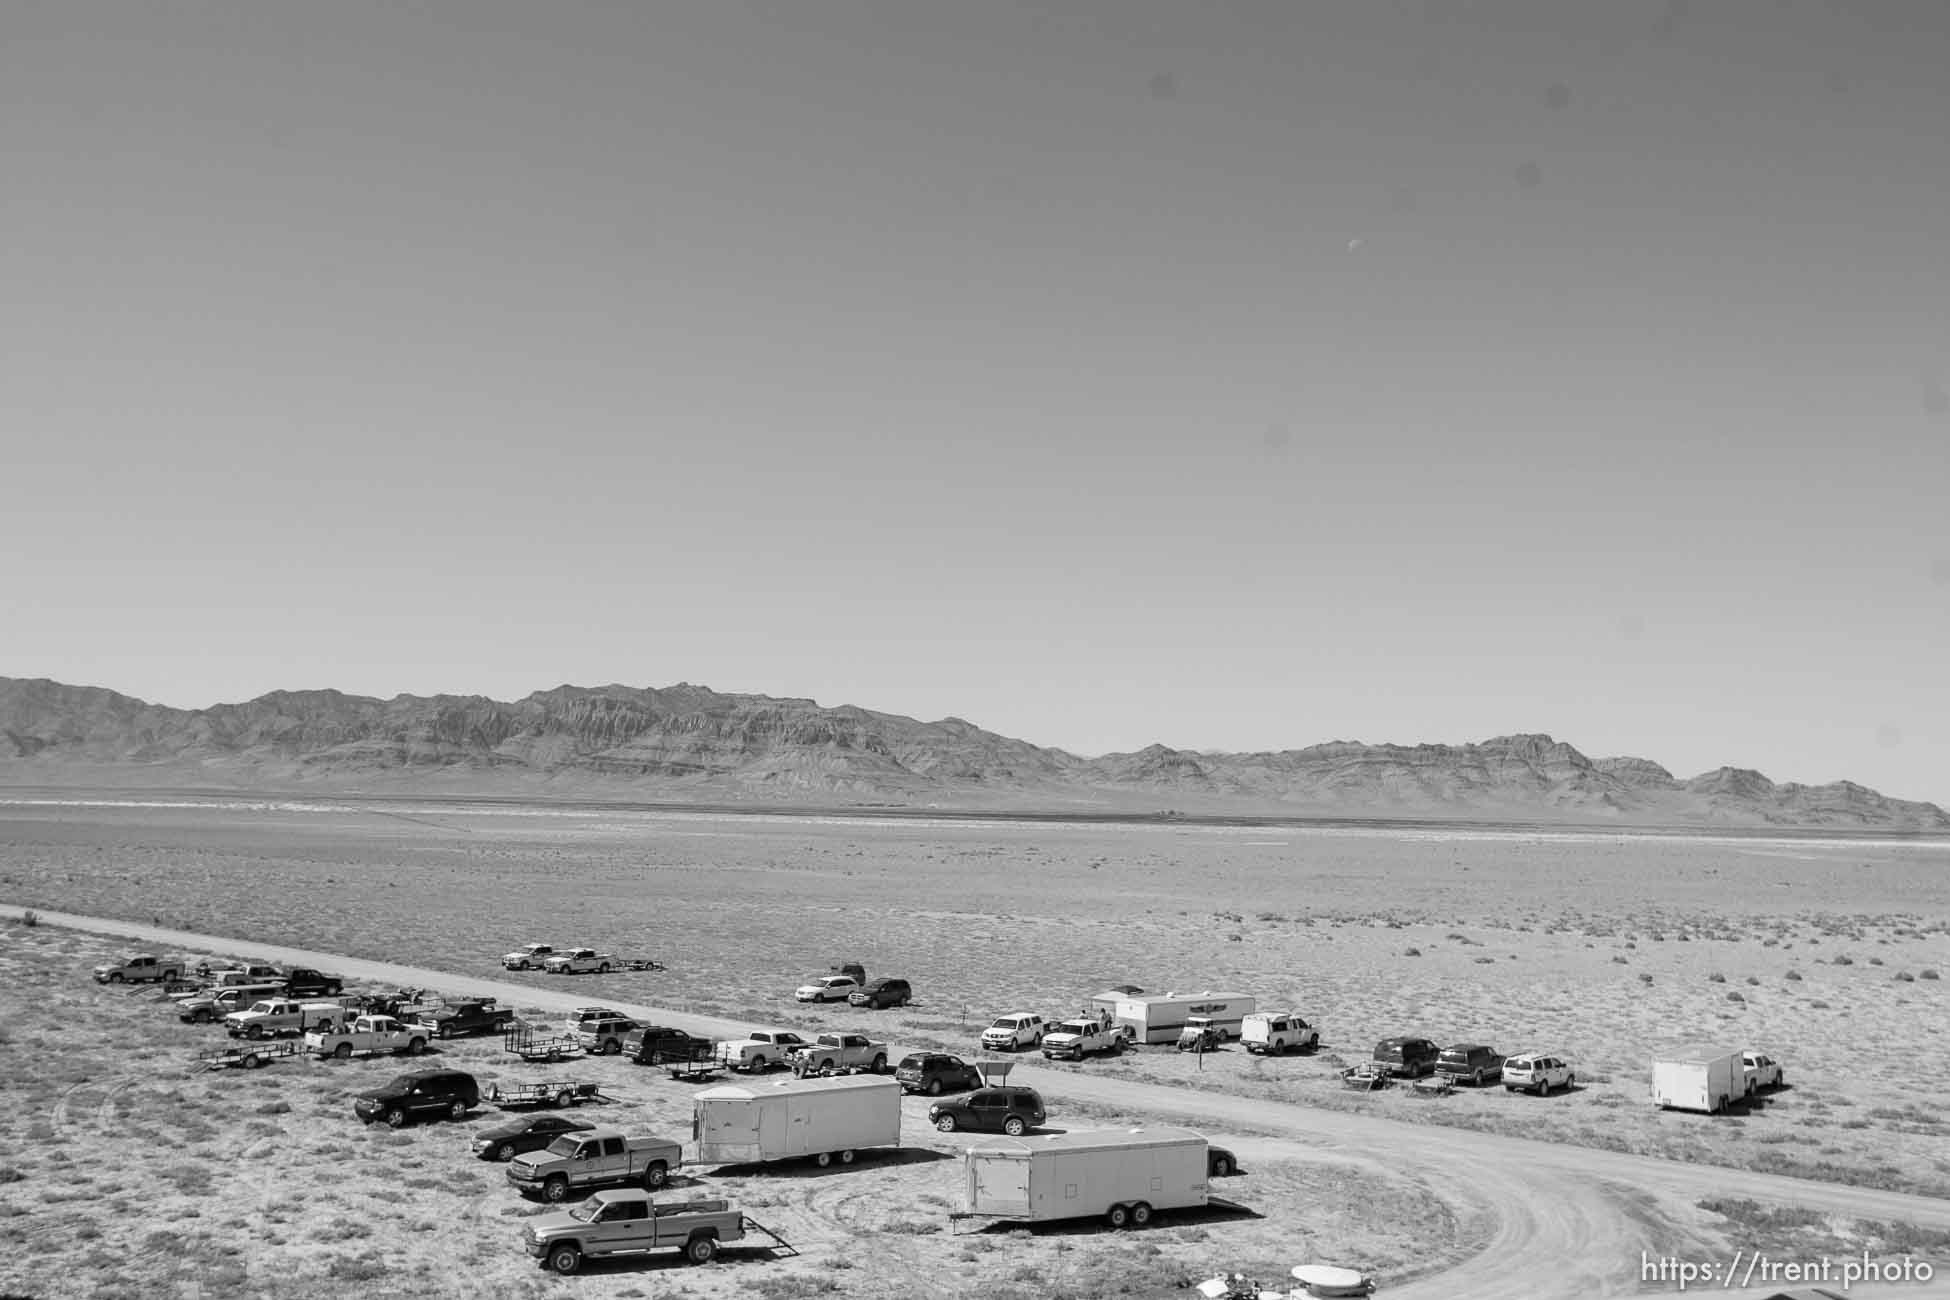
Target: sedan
(518, 1137)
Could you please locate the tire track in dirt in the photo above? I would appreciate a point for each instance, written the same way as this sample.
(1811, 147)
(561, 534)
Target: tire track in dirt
(1557, 1231)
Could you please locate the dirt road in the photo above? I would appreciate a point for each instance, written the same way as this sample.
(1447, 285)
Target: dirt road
(1558, 1221)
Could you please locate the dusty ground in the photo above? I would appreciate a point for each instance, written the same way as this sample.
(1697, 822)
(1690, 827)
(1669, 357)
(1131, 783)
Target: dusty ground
(1603, 948)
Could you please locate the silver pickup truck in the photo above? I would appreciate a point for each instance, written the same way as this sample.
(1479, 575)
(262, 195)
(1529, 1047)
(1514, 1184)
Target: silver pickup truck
(601, 1157)
(631, 1223)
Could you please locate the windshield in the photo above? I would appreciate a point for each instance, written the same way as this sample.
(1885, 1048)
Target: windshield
(587, 1211)
(1004, 1023)
(563, 1146)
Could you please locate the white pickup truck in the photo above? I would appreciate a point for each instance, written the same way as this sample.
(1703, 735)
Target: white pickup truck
(366, 1036)
(580, 961)
(761, 1049)
(271, 1017)
(530, 956)
(1072, 1040)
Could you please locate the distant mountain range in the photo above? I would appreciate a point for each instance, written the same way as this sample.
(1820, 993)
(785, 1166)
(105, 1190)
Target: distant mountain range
(694, 744)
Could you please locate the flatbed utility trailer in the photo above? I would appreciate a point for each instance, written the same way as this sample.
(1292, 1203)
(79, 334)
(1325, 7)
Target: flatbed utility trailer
(640, 963)
(1369, 1076)
(561, 1094)
(1436, 1085)
(537, 1048)
(696, 1069)
(247, 1056)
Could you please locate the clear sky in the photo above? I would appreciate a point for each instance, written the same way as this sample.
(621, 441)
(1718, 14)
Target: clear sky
(1228, 375)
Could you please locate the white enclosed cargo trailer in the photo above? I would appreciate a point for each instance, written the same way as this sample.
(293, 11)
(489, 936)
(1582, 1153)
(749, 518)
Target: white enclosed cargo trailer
(819, 1118)
(1124, 1175)
(1159, 1019)
(1706, 1078)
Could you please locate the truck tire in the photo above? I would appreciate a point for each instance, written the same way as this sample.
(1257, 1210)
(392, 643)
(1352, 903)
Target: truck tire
(395, 1117)
(612, 1046)
(565, 1259)
(656, 1175)
(254, 1031)
(1118, 1216)
(343, 1051)
(1014, 1126)
(1140, 1215)
(603, 969)
(701, 1249)
(415, 1045)
(946, 1124)
(1221, 1167)
(880, 1063)
(556, 1190)
(115, 977)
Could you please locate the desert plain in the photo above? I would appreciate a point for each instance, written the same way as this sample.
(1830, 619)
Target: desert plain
(126, 1174)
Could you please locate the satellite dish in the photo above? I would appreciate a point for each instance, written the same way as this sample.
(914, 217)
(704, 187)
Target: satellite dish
(1328, 1280)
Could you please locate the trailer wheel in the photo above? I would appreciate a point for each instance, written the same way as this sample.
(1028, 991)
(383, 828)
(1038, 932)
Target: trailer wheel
(656, 1175)
(701, 1249)
(1119, 1216)
(824, 1159)
(1221, 1167)
(564, 1099)
(252, 1060)
(1140, 1215)
(565, 1259)
(343, 1051)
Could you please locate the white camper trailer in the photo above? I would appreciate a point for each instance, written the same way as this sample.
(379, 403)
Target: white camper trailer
(1158, 1019)
(1124, 1175)
(1707, 1078)
(793, 1118)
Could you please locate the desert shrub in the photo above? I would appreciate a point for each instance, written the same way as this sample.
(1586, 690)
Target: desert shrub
(8, 1174)
(1716, 978)
(1754, 1216)
(1486, 961)
(1793, 976)
(1619, 961)
(1841, 959)
(30, 918)
(1411, 952)
(1904, 977)
(1875, 961)
(1644, 978)
(1735, 997)
(1754, 980)
(1929, 975)
(1818, 1005)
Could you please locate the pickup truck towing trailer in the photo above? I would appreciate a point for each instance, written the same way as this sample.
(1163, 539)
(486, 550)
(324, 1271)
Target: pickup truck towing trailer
(823, 1119)
(1160, 1019)
(140, 970)
(1125, 1176)
(621, 1223)
(580, 961)
(1072, 1040)
(276, 1017)
(1705, 1079)
(761, 1049)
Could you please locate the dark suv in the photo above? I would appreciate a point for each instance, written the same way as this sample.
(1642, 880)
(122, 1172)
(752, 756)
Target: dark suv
(421, 1094)
(303, 982)
(880, 993)
(1470, 1063)
(1006, 1109)
(660, 1045)
(935, 1073)
(1407, 1058)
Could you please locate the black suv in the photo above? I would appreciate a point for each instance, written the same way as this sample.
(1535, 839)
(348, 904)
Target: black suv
(1470, 1063)
(419, 1094)
(1005, 1109)
(880, 993)
(659, 1045)
(303, 982)
(935, 1073)
(1408, 1058)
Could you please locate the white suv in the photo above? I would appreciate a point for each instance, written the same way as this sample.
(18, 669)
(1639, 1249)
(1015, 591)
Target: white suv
(1537, 1072)
(827, 988)
(1014, 1033)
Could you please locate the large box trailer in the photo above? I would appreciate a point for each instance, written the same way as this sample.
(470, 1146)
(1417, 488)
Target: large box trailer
(1159, 1018)
(819, 1118)
(1124, 1175)
(1699, 1078)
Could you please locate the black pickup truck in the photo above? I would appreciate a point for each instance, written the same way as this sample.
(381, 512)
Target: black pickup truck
(303, 982)
(458, 1019)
